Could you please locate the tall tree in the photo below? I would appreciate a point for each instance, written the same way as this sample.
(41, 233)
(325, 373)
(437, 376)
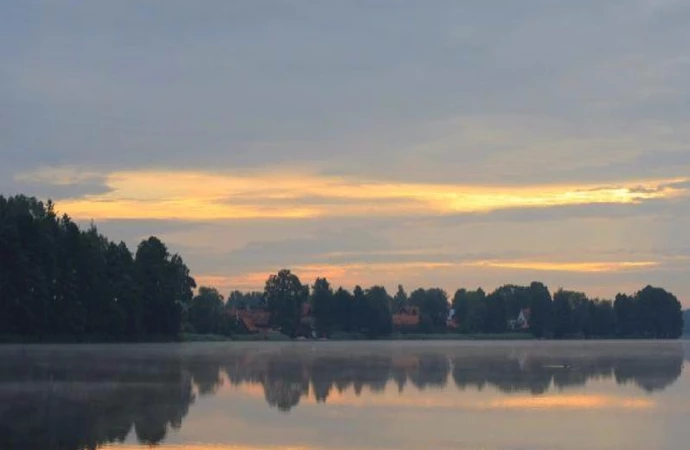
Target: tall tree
(323, 306)
(127, 316)
(627, 324)
(343, 307)
(206, 313)
(165, 287)
(496, 312)
(603, 318)
(285, 295)
(433, 306)
(659, 313)
(377, 319)
(562, 314)
(540, 309)
(358, 309)
(399, 299)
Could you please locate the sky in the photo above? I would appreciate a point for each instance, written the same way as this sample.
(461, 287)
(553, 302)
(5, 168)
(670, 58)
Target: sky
(445, 143)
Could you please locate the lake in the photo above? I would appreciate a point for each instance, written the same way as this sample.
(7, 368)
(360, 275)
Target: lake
(346, 395)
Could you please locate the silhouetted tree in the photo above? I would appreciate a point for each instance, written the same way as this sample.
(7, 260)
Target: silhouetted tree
(324, 306)
(626, 315)
(343, 306)
(495, 312)
(376, 312)
(358, 309)
(57, 281)
(165, 287)
(206, 311)
(285, 295)
(659, 313)
(399, 299)
(562, 313)
(433, 307)
(540, 304)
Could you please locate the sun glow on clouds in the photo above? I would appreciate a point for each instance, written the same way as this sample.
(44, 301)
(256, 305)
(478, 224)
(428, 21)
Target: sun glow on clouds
(344, 274)
(188, 195)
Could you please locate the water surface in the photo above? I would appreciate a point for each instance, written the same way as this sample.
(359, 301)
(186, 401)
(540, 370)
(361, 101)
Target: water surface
(337, 395)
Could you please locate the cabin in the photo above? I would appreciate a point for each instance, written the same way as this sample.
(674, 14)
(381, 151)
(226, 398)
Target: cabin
(406, 317)
(253, 321)
(521, 323)
(307, 322)
(452, 319)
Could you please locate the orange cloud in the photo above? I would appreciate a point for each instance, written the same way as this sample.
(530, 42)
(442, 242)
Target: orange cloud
(189, 195)
(611, 266)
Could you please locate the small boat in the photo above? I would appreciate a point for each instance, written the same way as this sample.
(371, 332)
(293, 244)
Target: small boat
(557, 366)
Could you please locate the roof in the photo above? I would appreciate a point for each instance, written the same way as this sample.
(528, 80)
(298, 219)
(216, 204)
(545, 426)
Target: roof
(253, 319)
(407, 316)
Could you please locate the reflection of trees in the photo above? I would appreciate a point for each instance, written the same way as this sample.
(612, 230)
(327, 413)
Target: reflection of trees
(431, 370)
(651, 375)
(285, 382)
(286, 376)
(61, 400)
(537, 372)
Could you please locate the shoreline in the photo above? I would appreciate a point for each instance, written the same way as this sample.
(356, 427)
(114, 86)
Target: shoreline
(277, 337)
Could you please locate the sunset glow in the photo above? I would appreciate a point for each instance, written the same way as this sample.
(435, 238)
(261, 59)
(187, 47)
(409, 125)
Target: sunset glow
(351, 273)
(268, 195)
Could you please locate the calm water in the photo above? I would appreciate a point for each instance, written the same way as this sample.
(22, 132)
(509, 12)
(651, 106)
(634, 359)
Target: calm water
(388, 395)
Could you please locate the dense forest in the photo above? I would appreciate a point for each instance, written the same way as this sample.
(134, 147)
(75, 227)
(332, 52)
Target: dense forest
(60, 282)
(57, 281)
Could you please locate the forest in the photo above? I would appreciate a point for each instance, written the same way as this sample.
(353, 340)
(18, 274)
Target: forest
(59, 282)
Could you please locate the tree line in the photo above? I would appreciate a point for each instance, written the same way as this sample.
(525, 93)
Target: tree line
(57, 280)
(650, 313)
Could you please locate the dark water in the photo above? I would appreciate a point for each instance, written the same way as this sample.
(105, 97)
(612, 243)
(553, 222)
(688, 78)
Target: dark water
(387, 395)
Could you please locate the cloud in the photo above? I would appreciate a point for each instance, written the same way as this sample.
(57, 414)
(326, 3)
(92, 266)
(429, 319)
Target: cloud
(252, 137)
(185, 195)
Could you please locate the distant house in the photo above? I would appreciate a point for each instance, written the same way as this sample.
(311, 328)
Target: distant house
(521, 323)
(452, 320)
(406, 317)
(307, 322)
(253, 321)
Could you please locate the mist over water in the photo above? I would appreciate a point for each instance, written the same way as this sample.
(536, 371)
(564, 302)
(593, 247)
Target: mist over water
(345, 395)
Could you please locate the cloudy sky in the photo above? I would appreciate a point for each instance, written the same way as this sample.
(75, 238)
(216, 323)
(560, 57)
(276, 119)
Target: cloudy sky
(438, 143)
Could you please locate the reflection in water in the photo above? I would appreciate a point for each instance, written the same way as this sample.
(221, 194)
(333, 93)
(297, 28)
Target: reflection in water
(62, 397)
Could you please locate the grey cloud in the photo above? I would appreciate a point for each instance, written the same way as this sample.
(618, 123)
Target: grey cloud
(253, 83)
(133, 231)
(289, 252)
(57, 192)
(659, 208)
